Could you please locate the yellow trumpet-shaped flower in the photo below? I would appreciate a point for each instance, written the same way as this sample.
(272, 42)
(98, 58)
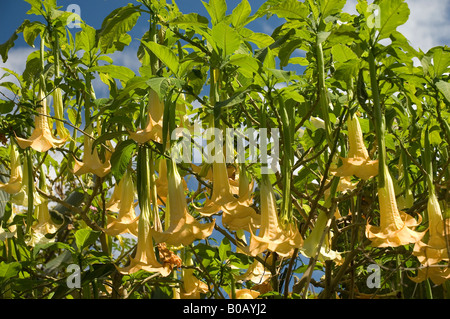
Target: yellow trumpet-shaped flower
(153, 130)
(273, 236)
(43, 226)
(395, 226)
(183, 228)
(59, 114)
(192, 286)
(145, 258)
(247, 294)
(311, 243)
(358, 162)
(42, 138)
(236, 213)
(15, 180)
(126, 220)
(435, 249)
(438, 275)
(91, 161)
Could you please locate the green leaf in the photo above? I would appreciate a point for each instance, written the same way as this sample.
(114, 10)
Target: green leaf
(444, 88)
(441, 61)
(116, 71)
(121, 158)
(116, 25)
(393, 13)
(226, 39)
(240, 14)
(8, 270)
(31, 30)
(190, 19)
(6, 106)
(290, 9)
(216, 9)
(85, 237)
(342, 53)
(331, 7)
(248, 65)
(86, 39)
(224, 249)
(5, 47)
(52, 245)
(165, 54)
(36, 7)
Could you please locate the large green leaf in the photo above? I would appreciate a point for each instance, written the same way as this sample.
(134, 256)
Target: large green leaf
(121, 157)
(444, 88)
(441, 61)
(85, 237)
(8, 270)
(290, 9)
(5, 47)
(217, 10)
(342, 53)
(116, 25)
(189, 20)
(165, 54)
(330, 7)
(116, 71)
(226, 39)
(393, 13)
(240, 14)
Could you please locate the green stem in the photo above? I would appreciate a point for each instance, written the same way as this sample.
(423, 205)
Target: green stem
(380, 122)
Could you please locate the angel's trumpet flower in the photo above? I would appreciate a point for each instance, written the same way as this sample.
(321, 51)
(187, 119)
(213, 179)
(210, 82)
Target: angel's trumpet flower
(44, 224)
(236, 213)
(9, 231)
(273, 236)
(395, 226)
(438, 275)
(312, 242)
(256, 272)
(21, 197)
(58, 106)
(192, 287)
(435, 249)
(14, 184)
(358, 162)
(42, 138)
(183, 228)
(91, 161)
(145, 258)
(126, 221)
(247, 294)
(153, 130)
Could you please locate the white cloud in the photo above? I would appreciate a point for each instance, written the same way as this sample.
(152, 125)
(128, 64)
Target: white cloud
(427, 24)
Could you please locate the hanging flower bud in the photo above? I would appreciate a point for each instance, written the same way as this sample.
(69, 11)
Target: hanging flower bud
(15, 180)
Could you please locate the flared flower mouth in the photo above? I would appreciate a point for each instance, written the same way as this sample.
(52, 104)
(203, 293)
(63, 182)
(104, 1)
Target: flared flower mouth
(91, 161)
(42, 138)
(145, 258)
(182, 227)
(434, 250)
(192, 287)
(396, 227)
(236, 211)
(437, 273)
(273, 236)
(126, 220)
(247, 294)
(153, 130)
(43, 226)
(14, 184)
(358, 162)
